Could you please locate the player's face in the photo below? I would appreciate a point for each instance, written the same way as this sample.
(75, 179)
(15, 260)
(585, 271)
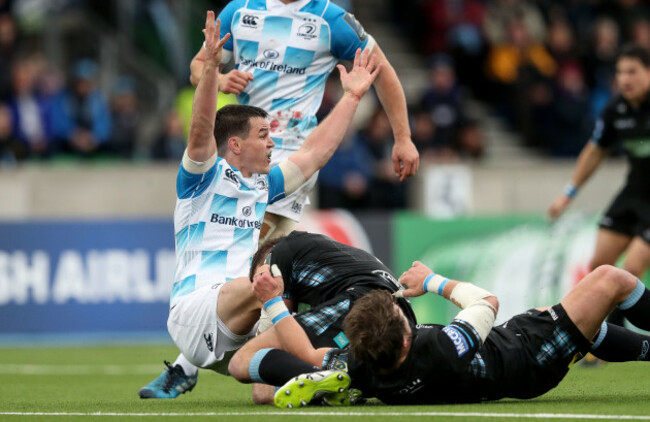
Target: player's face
(632, 78)
(256, 148)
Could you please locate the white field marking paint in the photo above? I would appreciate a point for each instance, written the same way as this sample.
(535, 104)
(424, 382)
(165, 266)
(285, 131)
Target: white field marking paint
(19, 369)
(363, 414)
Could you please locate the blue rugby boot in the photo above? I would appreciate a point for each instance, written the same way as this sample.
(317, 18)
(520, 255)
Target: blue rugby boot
(169, 385)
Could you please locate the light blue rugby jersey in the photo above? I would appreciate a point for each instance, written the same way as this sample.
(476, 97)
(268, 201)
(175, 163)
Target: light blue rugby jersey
(217, 223)
(290, 49)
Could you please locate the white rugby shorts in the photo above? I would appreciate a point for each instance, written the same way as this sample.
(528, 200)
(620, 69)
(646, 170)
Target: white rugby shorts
(199, 333)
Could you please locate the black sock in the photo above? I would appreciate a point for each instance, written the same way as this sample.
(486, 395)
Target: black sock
(618, 344)
(636, 308)
(276, 367)
(616, 318)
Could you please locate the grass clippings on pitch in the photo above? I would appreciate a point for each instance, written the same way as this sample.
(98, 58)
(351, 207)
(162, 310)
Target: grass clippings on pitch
(101, 384)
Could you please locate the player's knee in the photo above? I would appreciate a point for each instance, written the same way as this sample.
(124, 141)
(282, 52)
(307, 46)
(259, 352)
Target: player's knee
(262, 394)
(238, 368)
(617, 279)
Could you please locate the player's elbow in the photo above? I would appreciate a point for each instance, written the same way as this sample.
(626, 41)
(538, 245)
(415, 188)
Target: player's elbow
(494, 301)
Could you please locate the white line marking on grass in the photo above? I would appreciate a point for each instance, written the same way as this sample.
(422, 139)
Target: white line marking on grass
(363, 414)
(19, 369)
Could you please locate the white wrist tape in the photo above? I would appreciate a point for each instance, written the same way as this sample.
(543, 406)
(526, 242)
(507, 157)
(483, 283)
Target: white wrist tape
(480, 315)
(465, 294)
(435, 283)
(276, 309)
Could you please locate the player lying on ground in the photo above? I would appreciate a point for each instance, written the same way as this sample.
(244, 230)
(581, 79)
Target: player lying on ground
(324, 274)
(223, 187)
(467, 360)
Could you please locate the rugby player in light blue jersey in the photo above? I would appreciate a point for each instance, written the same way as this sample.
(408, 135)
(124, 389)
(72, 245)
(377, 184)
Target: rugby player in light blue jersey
(223, 187)
(283, 52)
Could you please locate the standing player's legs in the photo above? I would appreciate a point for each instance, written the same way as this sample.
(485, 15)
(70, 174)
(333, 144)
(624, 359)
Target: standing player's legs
(595, 297)
(637, 256)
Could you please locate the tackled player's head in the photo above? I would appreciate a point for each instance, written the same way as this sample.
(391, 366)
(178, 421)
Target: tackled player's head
(376, 329)
(633, 72)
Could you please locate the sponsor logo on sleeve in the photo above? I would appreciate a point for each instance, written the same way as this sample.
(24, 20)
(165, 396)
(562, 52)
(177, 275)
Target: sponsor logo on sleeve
(459, 340)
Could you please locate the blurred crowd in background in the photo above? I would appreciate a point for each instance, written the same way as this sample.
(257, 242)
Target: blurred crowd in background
(544, 68)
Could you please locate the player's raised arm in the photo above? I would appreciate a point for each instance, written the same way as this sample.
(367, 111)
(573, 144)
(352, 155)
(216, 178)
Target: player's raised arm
(406, 159)
(589, 159)
(325, 139)
(201, 144)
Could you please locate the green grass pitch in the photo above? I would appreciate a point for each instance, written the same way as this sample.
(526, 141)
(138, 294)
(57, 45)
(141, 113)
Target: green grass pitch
(101, 384)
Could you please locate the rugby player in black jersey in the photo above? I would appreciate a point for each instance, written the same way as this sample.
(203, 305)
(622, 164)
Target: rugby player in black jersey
(319, 273)
(468, 360)
(625, 123)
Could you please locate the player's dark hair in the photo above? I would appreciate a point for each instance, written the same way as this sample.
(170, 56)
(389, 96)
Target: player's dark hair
(234, 120)
(375, 330)
(259, 257)
(633, 51)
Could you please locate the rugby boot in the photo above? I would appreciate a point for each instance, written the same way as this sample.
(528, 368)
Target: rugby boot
(303, 389)
(170, 384)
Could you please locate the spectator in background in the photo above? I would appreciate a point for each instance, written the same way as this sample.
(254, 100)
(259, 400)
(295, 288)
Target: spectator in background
(31, 113)
(10, 148)
(571, 117)
(640, 32)
(521, 69)
(125, 116)
(170, 144)
(600, 60)
(443, 101)
(344, 182)
(499, 15)
(82, 121)
(470, 143)
(423, 132)
(8, 37)
(385, 190)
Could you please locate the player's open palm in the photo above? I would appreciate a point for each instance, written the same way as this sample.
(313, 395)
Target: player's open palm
(413, 279)
(213, 44)
(363, 74)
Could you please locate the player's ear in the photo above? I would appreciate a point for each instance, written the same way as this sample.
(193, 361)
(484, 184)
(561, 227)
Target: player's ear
(234, 144)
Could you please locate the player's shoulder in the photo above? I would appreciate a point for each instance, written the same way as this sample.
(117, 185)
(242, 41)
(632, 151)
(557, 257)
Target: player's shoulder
(234, 5)
(616, 106)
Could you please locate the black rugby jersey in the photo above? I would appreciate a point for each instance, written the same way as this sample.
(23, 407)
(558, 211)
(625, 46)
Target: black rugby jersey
(621, 124)
(316, 268)
(523, 358)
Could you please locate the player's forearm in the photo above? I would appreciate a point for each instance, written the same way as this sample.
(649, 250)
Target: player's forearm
(196, 69)
(392, 98)
(201, 145)
(295, 341)
(588, 161)
(321, 144)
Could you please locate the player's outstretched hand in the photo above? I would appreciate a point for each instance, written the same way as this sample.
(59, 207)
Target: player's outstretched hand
(558, 206)
(413, 279)
(406, 159)
(363, 74)
(266, 286)
(213, 44)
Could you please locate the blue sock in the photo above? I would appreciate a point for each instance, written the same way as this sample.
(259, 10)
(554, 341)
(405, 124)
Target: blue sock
(276, 367)
(636, 308)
